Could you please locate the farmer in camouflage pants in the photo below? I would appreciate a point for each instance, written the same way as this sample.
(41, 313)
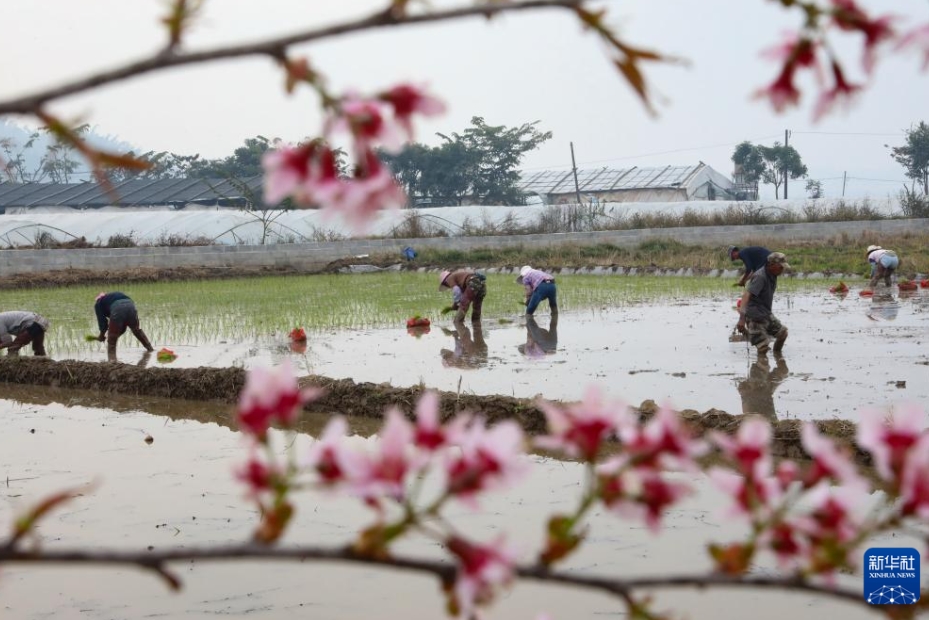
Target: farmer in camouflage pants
(473, 287)
(755, 315)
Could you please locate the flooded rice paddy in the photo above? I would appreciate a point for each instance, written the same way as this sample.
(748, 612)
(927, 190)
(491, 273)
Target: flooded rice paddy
(660, 338)
(665, 339)
(179, 491)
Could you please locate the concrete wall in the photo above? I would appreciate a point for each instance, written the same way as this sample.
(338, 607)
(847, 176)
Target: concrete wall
(315, 256)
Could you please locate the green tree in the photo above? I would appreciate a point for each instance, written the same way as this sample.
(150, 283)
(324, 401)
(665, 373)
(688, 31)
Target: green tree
(500, 150)
(749, 163)
(408, 167)
(814, 188)
(914, 155)
(769, 164)
(451, 172)
(781, 162)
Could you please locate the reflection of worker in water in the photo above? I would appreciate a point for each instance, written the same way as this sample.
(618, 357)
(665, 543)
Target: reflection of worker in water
(469, 352)
(540, 342)
(757, 390)
(883, 307)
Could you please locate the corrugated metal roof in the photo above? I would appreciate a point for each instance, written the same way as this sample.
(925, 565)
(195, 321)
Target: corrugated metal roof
(606, 179)
(134, 192)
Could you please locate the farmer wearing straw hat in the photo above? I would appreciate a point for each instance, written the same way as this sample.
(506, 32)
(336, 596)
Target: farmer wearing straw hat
(19, 328)
(883, 264)
(471, 289)
(753, 257)
(539, 285)
(116, 312)
(755, 314)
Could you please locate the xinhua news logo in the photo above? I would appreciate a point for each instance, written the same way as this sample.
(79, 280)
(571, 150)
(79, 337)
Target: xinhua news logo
(891, 576)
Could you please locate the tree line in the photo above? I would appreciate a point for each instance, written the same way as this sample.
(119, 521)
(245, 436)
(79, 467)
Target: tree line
(478, 165)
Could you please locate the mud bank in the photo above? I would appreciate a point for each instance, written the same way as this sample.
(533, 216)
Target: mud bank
(76, 277)
(365, 400)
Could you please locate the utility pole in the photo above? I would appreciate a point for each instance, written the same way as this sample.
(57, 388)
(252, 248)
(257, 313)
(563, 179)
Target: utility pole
(786, 137)
(577, 188)
(844, 172)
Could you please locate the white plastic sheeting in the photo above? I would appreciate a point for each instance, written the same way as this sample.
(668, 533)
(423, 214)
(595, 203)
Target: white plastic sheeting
(231, 226)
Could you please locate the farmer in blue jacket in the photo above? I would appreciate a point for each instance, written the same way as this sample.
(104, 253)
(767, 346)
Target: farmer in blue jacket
(754, 257)
(116, 312)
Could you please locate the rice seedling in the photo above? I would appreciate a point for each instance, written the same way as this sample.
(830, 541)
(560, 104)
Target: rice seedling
(253, 310)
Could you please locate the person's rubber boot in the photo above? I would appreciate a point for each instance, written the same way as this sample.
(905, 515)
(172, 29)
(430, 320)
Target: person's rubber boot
(144, 340)
(779, 341)
(111, 349)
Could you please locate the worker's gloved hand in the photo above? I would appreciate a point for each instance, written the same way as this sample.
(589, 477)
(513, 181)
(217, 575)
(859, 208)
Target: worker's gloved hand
(101, 337)
(741, 328)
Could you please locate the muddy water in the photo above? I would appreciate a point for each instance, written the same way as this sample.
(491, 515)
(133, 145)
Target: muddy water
(843, 354)
(178, 491)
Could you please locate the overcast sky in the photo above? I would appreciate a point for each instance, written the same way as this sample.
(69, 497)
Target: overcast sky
(518, 68)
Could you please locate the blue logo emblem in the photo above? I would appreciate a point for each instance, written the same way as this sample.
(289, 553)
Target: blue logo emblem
(891, 575)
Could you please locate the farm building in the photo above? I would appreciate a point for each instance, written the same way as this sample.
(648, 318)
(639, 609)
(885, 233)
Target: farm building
(138, 193)
(659, 184)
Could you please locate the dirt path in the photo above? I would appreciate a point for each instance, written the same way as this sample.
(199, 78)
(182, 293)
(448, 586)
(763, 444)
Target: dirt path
(366, 400)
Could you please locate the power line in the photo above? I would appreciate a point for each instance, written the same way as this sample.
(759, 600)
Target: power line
(849, 133)
(628, 157)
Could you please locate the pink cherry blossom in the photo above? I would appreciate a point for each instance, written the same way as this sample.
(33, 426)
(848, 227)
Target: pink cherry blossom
(847, 15)
(271, 396)
(487, 458)
(914, 482)
(787, 541)
(407, 99)
(750, 448)
(287, 170)
(889, 441)
(579, 429)
(364, 119)
(832, 524)
(917, 38)
(638, 492)
(828, 460)
(429, 433)
(329, 456)
(750, 495)
(482, 569)
(840, 91)
(794, 53)
(373, 189)
(665, 440)
(259, 475)
(383, 471)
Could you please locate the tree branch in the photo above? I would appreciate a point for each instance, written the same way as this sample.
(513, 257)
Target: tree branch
(274, 47)
(156, 561)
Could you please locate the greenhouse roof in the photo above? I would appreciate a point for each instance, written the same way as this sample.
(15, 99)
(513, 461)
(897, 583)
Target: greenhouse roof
(608, 179)
(134, 192)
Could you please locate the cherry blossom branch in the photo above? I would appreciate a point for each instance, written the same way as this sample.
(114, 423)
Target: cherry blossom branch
(156, 561)
(274, 47)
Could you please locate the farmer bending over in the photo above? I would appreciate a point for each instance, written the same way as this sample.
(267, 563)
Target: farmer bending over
(115, 312)
(753, 257)
(539, 285)
(19, 328)
(472, 287)
(755, 309)
(883, 264)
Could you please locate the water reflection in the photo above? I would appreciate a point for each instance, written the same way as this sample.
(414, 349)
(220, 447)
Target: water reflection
(540, 342)
(469, 352)
(883, 306)
(757, 389)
